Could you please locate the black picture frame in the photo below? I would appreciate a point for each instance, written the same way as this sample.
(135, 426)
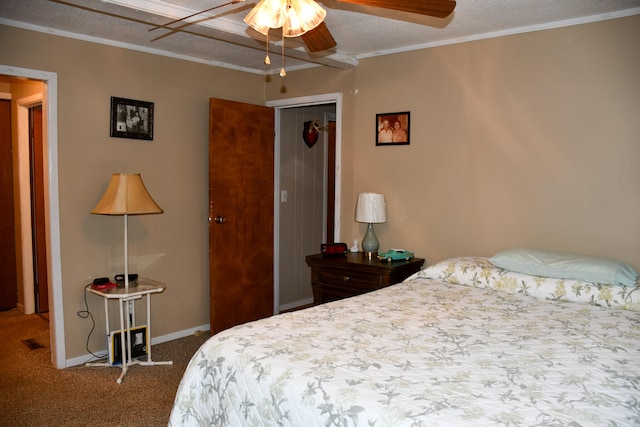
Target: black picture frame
(401, 136)
(139, 338)
(131, 119)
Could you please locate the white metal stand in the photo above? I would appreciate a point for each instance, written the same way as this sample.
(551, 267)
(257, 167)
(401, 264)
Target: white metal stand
(126, 298)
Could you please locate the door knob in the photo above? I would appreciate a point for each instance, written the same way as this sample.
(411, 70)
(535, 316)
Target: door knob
(219, 219)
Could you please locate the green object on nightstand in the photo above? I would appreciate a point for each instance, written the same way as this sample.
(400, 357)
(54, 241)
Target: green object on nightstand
(395, 255)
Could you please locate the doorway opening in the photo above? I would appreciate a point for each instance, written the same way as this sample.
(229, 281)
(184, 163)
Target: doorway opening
(48, 101)
(25, 187)
(306, 192)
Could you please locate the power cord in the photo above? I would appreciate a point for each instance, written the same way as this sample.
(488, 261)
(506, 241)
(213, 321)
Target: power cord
(86, 314)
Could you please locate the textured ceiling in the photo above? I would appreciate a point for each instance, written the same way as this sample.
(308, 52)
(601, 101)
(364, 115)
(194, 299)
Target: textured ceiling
(220, 37)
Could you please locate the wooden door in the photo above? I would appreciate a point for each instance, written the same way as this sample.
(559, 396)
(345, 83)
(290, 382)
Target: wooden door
(8, 271)
(241, 162)
(36, 149)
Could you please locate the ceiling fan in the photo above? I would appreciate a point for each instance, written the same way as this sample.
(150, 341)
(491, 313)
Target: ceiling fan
(318, 37)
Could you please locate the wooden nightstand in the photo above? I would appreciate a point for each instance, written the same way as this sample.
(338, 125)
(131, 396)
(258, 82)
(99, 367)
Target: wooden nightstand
(334, 278)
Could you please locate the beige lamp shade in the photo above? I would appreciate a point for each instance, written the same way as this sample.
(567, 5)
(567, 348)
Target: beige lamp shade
(126, 195)
(371, 208)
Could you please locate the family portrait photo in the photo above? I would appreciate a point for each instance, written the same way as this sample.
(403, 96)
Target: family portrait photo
(392, 128)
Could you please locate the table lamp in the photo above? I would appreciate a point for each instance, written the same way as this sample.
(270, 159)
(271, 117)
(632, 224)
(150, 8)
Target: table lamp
(126, 195)
(370, 209)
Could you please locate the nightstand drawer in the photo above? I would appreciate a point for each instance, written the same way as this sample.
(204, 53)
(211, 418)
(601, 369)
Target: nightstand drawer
(354, 274)
(350, 278)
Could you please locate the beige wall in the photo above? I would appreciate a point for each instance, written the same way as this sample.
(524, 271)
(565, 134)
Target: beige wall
(524, 140)
(172, 247)
(531, 139)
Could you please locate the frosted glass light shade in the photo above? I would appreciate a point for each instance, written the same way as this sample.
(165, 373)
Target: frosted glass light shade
(126, 195)
(296, 17)
(370, 208)
(266, 15)
(302, 16)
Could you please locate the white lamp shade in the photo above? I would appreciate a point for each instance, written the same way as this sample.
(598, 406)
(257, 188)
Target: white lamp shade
(126, 195)
(371, 208)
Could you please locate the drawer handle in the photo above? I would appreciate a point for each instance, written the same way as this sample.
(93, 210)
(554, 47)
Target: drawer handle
(346, 278)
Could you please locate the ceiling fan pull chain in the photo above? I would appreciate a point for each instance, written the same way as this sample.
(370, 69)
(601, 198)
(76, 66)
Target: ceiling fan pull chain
(282, 71)
(267, 61)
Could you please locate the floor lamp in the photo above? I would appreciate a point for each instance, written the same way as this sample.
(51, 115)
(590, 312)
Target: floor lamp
(126, 195)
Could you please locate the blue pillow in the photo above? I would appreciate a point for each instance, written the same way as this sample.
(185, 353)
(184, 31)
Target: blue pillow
(565, 266)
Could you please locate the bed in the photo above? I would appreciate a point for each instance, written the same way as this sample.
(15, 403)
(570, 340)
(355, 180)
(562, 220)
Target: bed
(461, 343)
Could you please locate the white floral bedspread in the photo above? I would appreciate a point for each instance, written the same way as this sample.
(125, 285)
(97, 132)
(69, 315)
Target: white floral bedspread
(422, 353)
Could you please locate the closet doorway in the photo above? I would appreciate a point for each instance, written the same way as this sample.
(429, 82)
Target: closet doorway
(307, 192)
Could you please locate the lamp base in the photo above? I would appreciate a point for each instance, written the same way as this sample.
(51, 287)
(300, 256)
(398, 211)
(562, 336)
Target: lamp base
(370, 255)
(370, 243)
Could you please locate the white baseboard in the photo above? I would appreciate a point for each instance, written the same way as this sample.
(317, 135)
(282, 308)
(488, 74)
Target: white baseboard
(81, 360)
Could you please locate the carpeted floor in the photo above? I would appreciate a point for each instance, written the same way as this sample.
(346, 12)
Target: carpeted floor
(34, 393)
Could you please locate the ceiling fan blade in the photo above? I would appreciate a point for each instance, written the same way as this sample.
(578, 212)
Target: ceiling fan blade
(435, 8)
(319, 38)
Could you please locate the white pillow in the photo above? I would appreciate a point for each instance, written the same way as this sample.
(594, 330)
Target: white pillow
(565, 266)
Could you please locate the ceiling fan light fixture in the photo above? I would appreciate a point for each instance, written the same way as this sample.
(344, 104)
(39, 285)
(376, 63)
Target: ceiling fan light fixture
(296, 17)
(302, 16)
(266, 15)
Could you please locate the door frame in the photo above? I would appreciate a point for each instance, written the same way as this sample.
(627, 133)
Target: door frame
(278, 105)
(54, 259)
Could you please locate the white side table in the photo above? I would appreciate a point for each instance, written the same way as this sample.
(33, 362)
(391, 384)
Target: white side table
(126, 305)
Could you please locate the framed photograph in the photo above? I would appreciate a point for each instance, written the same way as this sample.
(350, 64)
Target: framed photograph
(138, 346)
(392, 128)
(131, 119)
